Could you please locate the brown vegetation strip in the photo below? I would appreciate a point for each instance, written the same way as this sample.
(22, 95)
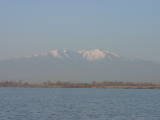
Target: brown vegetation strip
(80, 86)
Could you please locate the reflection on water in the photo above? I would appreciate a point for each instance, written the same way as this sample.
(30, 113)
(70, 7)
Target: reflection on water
(79, 104)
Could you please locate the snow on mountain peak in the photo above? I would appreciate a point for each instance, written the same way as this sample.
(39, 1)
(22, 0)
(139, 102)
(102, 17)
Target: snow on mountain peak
(97, 54)
(55, 53)
(92, 55)
(89, 55)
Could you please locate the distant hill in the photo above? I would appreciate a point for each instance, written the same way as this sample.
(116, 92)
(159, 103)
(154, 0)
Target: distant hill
(79, 66)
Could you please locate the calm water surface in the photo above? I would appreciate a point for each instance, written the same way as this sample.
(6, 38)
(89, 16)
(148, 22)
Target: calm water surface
(79, 104)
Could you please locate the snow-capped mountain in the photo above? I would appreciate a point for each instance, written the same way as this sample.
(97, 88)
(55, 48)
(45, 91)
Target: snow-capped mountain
(79, 66)
(89, 55)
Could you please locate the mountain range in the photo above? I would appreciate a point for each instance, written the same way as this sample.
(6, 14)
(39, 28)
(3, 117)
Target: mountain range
(79, 66)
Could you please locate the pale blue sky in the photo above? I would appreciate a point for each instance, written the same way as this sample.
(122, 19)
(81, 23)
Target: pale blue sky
(129, 27)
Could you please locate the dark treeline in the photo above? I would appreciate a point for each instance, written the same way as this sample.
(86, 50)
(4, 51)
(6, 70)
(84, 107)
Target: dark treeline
(94, 84)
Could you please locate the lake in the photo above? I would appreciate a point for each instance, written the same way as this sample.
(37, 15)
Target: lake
(79, 104)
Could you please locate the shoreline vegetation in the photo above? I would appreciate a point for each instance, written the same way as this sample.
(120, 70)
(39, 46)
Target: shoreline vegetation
(94, 84)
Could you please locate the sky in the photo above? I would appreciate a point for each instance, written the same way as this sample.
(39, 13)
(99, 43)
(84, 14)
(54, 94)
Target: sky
(128, 27)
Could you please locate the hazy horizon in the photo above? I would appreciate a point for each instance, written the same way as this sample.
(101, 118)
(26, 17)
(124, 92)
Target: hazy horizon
(130, 28)
(80, 59)
(80, 40)
(79, 66)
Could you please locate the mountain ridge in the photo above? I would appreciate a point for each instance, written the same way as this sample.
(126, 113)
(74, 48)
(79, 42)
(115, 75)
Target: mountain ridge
(81, 65)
